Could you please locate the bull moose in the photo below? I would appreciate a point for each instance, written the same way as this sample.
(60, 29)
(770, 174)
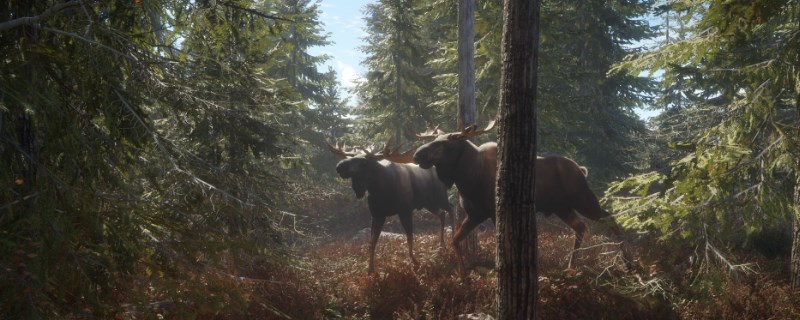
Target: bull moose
(395, 186)
(561, 186)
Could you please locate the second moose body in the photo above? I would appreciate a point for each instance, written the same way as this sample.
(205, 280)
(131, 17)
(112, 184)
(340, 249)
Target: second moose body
(393, 188)
(561, 186)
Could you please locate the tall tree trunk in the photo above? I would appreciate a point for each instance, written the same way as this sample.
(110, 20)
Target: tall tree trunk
(795, 261)
(466, 63)
(26, 134)
(466, 93)
(398, 94)
(517, 275)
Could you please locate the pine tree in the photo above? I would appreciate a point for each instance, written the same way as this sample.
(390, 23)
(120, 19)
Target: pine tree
(736, 147)
(397, 88)
(584, 113)
(136, 134)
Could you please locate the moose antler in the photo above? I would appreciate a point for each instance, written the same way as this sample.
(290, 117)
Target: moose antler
(472, 130)
(339, 150)
(388, 154)
(397, 157)
(431, 133)
(393, 155)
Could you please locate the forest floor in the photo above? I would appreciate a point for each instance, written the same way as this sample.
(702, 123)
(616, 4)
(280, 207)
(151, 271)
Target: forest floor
(331, 281)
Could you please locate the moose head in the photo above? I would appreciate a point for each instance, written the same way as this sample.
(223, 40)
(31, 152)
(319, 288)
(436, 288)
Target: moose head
(359, 165)
(446, 148)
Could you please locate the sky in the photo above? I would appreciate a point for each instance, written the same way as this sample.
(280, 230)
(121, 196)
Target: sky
(344, 23)
(343, 20)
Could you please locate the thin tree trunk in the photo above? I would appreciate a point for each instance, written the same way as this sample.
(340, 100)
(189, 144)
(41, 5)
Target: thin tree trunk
(466, 93)
(26, 134)
(517, 285)
(466, 63)
(795, 260)
(398, 94)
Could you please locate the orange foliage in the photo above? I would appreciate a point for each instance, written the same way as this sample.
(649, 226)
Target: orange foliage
(330, 281)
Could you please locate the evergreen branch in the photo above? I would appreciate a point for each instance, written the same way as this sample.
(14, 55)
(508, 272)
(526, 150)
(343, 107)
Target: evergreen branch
(255, 12)
(153, 135)
(82, 38)
(35, 19)
(174, 163)
(33, 161)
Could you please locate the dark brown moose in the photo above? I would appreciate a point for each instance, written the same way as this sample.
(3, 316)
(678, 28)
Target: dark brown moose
(395, 186)
(561, 186)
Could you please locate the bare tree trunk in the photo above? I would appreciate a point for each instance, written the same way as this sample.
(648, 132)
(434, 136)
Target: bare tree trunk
(466, 63)
(26, 133)
(795, 260)
(517, 275)
(398, 94)
(466, 95)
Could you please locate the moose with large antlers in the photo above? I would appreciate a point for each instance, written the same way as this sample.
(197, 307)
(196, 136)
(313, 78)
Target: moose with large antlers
(395, 186)
(561, 186)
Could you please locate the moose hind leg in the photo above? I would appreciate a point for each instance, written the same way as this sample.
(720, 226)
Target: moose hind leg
(466, 227)
(452, 212)
(441, 214)
(377, 225)
(408, 227)
(573, 221)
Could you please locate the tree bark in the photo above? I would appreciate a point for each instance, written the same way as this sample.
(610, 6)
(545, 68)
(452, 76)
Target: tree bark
(398, 94)
(795, 262)
(794, 268)
(517, 276)
(466, 94)
(26, 132)
(466, 63)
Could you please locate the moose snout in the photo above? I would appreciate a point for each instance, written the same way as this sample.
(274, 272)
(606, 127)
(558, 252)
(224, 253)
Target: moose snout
(417, 157)
(342, 171)
(421, 158)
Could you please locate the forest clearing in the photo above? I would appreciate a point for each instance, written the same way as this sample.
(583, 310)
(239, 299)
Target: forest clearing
(299, 159)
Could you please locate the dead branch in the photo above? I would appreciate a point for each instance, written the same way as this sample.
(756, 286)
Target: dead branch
(35, 19)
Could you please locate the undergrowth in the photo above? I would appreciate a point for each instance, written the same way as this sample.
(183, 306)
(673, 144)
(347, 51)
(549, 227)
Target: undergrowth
(330, 281)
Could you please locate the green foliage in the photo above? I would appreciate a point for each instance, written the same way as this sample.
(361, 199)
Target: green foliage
(730, 122)
(488, 34)
(152, 148)
(583, 112)
(398, 85)
(586, 112)
(143, 143)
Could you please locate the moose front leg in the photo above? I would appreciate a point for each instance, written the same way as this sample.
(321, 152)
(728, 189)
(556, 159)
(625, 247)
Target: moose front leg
(377, 225)
(574, 221)
(627, 257)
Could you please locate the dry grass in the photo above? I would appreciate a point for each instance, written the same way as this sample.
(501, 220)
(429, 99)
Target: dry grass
(331, 281)
(336, 276)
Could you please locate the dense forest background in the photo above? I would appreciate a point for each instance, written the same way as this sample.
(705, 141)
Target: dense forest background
(167, 157)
